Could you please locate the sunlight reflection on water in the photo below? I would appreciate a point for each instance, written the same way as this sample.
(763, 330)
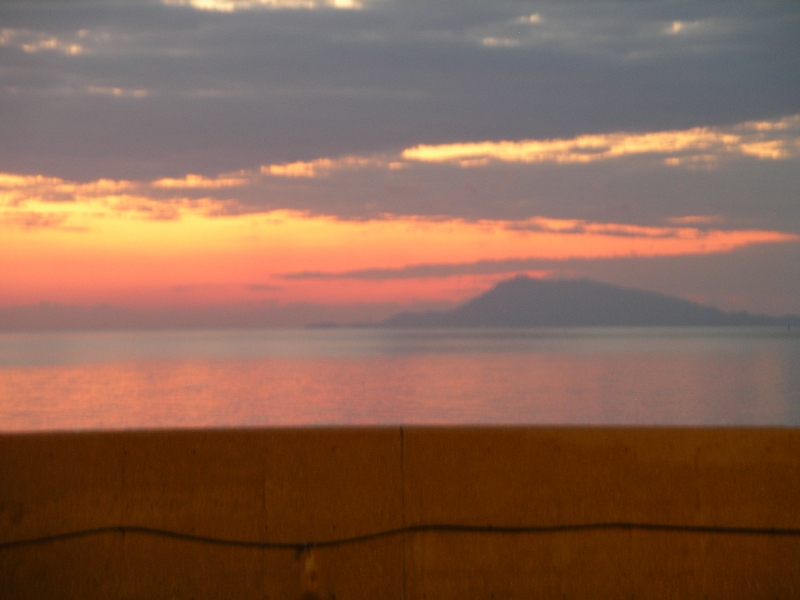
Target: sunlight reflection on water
(252, 378)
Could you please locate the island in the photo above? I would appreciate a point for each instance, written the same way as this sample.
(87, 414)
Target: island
(528, 302)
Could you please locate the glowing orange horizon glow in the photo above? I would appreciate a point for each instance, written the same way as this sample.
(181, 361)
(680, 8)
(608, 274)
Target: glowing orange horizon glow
(111, 243)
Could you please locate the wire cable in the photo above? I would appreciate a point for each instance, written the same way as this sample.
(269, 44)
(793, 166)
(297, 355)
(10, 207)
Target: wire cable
(411, 529)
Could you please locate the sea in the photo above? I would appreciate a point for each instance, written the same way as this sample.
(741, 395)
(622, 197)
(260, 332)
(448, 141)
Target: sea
(719, 376)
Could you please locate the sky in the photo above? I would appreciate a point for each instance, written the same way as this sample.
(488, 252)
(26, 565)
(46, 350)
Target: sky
(284, 162)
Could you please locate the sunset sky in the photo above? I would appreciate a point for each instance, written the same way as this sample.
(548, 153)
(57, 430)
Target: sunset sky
(341, 160)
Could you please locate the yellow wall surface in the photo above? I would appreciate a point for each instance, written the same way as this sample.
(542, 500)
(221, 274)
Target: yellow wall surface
(402, 513)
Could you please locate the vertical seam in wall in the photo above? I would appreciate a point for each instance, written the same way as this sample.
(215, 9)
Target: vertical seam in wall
(123, 508)
(123, 517)
(403, 502)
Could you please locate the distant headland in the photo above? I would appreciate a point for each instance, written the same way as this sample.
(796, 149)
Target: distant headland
(527, 302)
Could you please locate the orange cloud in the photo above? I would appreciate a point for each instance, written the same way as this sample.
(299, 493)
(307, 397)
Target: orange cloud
(320, 167)
(696, 219)
(77, 206)
(15, 188)
(679, 146)
(198, 181)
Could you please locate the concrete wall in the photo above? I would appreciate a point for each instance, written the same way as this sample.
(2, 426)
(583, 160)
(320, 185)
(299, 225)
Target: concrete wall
(414, 513)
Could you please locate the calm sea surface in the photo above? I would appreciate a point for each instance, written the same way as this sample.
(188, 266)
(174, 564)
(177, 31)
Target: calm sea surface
(252, 378)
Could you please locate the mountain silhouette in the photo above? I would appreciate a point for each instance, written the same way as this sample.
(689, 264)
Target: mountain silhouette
(526, 302)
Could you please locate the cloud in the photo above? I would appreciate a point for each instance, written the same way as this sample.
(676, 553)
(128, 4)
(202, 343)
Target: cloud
(764, 140)
(18, 189)
(228, 6)
(694, 147)
(696, 219)
(322, 167)
(682, 27)
(117, 92)
(493, 41)
(543, 224)
(636, 34)
(424, 271)
(29, 220)
(582, 181)
(193, 181)
(547, 264)
(37, 201)
(559, 239)
(33, 42)
(81, 42)
(749, 270)
(215, 90)
(533, 18)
